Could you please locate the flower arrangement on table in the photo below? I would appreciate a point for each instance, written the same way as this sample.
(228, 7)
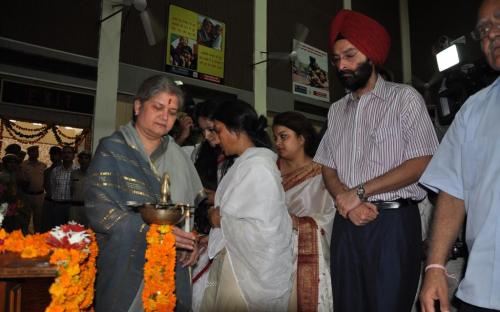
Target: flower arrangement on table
(74, 251)
(159, 271)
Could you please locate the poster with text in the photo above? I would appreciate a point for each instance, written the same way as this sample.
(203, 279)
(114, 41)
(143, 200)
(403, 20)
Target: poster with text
(195, 45)
(310, 72)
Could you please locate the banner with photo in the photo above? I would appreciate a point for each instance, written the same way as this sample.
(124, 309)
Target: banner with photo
(310, 72)
(195, 45)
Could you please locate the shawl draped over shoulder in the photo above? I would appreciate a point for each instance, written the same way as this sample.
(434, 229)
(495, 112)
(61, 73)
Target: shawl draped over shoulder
(121, 172)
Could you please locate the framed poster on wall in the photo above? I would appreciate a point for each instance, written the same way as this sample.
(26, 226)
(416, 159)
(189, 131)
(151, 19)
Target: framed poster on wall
(310, 72)
(195, 45)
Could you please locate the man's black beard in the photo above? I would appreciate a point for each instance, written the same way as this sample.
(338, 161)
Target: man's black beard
(355, 80)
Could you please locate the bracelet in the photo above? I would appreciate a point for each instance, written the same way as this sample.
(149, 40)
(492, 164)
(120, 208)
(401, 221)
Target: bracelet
(442, 267)
(436, 266)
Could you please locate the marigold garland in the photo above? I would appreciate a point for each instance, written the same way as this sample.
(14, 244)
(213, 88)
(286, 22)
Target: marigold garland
(73, 288)
(159, 271)
(15, 125)
(16, 132)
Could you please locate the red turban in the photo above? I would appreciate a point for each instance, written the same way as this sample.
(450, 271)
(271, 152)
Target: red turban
(366, 34)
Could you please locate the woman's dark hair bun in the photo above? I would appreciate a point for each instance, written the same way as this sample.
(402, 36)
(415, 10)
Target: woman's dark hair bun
(240, 116)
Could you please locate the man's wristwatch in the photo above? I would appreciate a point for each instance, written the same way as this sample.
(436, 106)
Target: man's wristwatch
(360, 191)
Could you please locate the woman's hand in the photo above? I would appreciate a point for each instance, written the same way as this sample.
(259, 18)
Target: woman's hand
(210, 196)
(214, 216)
(188, 258)
(186, 124)
(184, 239)
(203, 243)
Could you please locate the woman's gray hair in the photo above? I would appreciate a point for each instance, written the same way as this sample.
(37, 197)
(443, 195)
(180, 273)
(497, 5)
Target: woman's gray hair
(158, 83)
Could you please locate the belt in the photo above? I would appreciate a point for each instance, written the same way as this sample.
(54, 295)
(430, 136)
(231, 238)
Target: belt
(394, 204)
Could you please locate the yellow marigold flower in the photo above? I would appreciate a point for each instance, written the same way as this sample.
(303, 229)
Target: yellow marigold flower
(73, 269)
(29, 252)
(56, 289)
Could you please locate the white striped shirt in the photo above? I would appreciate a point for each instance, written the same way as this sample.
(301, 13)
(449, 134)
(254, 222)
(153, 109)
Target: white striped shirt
(369, 136)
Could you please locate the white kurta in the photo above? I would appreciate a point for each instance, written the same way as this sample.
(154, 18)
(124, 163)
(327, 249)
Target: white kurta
(256, 230)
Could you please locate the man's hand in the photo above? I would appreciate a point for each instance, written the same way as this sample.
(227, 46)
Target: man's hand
(346, 201)
(184, 239)
(435, 287)
(363, 214)
(214, 216)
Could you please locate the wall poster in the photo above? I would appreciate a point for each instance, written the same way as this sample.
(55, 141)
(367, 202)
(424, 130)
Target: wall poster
(310, 72)
(195, 45)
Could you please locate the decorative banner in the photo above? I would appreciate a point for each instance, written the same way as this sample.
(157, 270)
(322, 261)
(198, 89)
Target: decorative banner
(195, 45)
(310, 72)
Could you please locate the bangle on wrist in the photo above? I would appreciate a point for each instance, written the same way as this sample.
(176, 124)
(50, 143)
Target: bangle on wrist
(441, 267)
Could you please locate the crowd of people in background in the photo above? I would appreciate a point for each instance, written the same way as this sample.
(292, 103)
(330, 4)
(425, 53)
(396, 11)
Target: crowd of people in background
(37, 197)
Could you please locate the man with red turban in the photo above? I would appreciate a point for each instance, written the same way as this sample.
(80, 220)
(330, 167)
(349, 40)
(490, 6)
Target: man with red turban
(378, 142)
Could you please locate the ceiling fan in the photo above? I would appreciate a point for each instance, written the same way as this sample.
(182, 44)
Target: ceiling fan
(142, 7)
(300, 35)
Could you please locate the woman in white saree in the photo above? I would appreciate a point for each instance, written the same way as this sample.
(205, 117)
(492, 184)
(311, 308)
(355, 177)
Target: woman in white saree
(311, 208)
(251, 239)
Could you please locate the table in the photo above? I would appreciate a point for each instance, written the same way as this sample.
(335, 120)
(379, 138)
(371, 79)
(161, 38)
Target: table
(24, 283)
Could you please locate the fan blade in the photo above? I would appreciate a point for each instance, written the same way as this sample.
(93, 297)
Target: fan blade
(278, 56)
(300, 34)
(148, 27)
